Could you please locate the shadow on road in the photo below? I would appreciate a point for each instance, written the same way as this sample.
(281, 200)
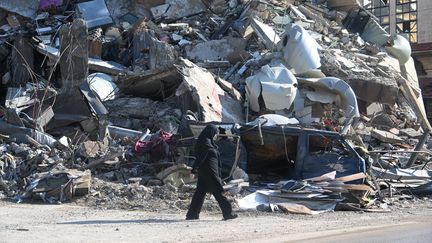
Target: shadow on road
(129, 221)
(123, 221)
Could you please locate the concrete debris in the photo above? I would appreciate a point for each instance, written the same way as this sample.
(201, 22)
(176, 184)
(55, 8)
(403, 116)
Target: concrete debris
(214, 104)
(115, 98)
(342, 5)
(266, 33)
(22, 7)
(386, 137)
(215, 50)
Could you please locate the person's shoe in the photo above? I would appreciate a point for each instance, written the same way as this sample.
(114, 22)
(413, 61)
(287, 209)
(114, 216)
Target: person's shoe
(231, 216)
(192, 218)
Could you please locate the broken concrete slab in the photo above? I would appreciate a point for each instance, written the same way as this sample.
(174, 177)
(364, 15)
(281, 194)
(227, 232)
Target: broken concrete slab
(228, 87)
(26, 8)
(386, 137)
(265, 33)
(368, 86)
(177, 9)
(215, 50)
(159, 11)
(41, 115)
(411, 132)
(150, 53)
(212, 103)
(342, 5)
(91, 149)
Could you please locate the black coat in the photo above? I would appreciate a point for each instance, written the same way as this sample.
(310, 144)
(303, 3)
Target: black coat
(208, 161)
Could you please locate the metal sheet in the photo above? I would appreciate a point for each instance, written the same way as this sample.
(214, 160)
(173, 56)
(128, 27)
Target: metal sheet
(300, 49)
(373, 32)
(400, 48)
(278, 88)
(95, 13)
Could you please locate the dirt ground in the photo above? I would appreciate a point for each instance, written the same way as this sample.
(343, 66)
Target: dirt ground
(73, 223)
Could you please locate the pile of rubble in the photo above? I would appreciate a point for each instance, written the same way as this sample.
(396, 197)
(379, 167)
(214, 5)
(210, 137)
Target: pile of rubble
(107, 103)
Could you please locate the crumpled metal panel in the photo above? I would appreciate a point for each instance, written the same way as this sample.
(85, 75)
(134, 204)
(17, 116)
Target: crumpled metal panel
(277, 85)
(344, 96)
(300, 49)
(95, 13)
(348, 98)
(400, 48)
(373, 32)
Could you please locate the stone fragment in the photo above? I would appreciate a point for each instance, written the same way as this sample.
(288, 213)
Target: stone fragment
(386, 137)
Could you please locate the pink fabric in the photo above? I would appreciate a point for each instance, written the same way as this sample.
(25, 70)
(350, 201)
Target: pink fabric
(44, 4)
(155, 141)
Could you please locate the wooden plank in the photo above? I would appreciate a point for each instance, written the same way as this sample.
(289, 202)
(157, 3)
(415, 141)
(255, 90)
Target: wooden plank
(412, 98)
(352, 177)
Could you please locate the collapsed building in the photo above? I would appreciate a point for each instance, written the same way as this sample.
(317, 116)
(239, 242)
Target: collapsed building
(312, 93)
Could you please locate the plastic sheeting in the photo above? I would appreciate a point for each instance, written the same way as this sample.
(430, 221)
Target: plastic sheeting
(300, 49)
(277, 85)
(103, 86)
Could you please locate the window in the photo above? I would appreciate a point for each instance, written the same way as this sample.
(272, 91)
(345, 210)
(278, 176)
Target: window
(406, 19)
(379, 8)
(321, 145)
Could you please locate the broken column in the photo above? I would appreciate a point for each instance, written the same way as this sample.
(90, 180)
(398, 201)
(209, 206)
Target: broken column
(22, 61)
(74, 55)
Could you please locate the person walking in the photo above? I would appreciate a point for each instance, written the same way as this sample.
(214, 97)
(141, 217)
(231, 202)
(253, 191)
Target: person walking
(208, 166)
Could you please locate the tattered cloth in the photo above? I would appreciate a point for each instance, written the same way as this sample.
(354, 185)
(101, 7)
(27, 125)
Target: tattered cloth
(154, 146)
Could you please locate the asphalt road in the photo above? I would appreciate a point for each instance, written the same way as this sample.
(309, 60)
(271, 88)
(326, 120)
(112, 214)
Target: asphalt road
(67, 223)
(392, 233)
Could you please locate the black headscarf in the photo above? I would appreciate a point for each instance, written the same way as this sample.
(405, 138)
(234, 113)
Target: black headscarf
(204, 143)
